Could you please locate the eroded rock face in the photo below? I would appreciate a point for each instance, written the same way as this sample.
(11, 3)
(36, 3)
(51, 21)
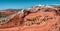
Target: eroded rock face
(33, 19)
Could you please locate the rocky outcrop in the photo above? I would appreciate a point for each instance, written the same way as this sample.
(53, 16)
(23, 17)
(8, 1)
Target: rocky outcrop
(38, 18)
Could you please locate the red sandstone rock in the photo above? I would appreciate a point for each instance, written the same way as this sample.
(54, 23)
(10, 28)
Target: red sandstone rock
(34, 19)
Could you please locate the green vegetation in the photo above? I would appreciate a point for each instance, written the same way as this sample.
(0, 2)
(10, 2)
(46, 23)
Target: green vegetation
(4, 17)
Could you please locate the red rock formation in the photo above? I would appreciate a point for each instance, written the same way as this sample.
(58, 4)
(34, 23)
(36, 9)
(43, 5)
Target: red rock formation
(34, 19)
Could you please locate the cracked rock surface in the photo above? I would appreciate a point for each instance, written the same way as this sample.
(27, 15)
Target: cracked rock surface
(46, 18)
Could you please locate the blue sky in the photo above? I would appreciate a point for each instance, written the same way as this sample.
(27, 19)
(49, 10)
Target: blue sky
(18, 4)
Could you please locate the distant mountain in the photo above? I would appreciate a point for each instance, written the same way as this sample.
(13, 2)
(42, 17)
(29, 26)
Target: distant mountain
(14, 9)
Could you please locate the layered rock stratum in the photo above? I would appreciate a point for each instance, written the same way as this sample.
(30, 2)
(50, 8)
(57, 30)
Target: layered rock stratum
(38, 18)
